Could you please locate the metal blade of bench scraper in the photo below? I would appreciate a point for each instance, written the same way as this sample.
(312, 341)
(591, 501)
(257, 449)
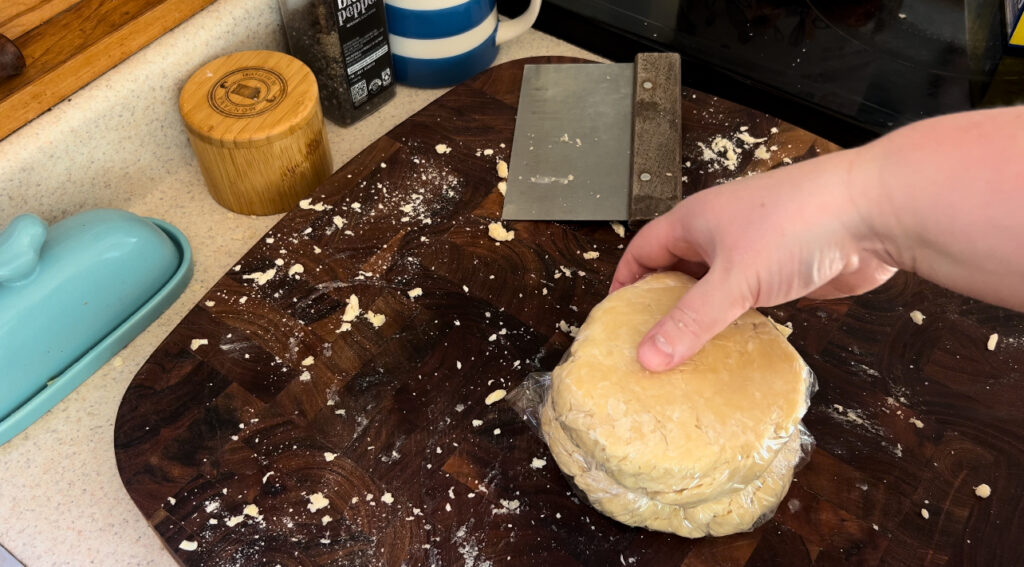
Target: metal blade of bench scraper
(571, 150)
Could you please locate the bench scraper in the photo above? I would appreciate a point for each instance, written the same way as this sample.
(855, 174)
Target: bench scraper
(597, 141)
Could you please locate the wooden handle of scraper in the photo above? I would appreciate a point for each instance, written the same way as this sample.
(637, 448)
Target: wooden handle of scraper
(655, 182)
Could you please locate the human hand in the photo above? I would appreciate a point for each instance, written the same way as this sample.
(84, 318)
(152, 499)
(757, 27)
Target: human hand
(763, 240)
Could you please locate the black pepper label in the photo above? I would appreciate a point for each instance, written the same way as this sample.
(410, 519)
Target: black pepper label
(364, 48)
(248, 91)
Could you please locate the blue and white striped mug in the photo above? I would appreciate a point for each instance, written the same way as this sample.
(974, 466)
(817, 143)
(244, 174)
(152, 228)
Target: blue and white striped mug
(439, 43)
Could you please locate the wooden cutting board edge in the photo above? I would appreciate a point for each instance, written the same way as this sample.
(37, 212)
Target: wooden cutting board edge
(51, 88)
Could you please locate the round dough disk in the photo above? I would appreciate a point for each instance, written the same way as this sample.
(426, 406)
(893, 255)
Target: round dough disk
(687, 436)
(735, 512)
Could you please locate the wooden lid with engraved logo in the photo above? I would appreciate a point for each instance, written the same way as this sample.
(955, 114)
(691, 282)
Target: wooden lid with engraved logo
(257, 129)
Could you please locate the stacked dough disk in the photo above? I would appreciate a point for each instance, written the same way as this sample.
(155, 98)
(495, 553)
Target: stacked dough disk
(707, 448)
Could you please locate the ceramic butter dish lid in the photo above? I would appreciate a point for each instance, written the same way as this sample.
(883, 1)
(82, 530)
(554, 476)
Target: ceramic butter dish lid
(72, 295)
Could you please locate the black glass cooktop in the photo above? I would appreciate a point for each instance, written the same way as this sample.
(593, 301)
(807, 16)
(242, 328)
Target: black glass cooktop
(848, 70)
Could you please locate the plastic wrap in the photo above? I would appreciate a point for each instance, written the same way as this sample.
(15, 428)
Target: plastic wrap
(707, 449)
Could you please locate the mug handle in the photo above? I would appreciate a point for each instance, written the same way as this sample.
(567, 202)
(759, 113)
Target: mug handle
(510, 29)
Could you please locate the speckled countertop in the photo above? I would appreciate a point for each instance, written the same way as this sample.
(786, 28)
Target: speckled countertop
(119, 142)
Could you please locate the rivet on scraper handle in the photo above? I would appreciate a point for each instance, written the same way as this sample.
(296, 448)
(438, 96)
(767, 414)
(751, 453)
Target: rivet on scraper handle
(655, 182)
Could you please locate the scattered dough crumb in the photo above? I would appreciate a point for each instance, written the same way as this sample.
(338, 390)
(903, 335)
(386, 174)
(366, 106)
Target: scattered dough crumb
(924, 513)
(917, 422)
(992, 340)
(375, 319)
(477, 423)
(260, 277)
(188, 545)
(442, 149)
(196, 343)
(305, 376)
(495, 396)
(917, 317)
(748, 139)
(619, 229)
(593, 254)
(326, 520)
(309, 204)
(308, 361)
(338, 221)
(497, 431)
(209, 303)
(252, 510)
(983, 490)
(502, 168)
(387, 498)
(234, 521)
(317, 502)
(351, 309)
(762, 152)
(296, 269)
(498, 232)
(328, 456)
(415, 292)
(502, 186)
(537, 463)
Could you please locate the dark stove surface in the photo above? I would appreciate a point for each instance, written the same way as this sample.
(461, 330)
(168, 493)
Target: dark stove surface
(846, 69)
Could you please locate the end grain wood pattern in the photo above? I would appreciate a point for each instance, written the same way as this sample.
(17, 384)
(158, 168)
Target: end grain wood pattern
(68, 43)
(389, 424)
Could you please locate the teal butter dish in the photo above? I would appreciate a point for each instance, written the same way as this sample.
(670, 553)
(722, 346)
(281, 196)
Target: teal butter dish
(74, 294)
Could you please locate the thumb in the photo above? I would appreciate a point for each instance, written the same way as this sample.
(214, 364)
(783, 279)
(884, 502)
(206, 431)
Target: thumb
(709, 306)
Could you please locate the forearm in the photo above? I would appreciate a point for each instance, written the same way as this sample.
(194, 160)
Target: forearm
(945, 198)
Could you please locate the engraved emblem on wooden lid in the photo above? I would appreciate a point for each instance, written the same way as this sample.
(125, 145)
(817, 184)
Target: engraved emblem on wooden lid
(248, 91)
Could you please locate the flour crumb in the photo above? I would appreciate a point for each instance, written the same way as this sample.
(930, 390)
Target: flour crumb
(234, 521)
(917, 422)
(497, 431)
(308, 204)
(375, 319)
(317, 502)
(252, 511)
(188, 545)
(308, 361)
(917, 317)
(502, 169)
(305, 376)
(442, 149)
(387, 498)
(502, 186)
(924, 513)
(537, 463)
(746, 138)
(209, 303)
(619, 229)
(338, 221)
(328, 456)
(296, 269)
(260, 277)
(495, 396)
(415, 292)
(196, 343)
(762, 153)
(477, 422)
(983, 491)
(992, 340)
(326, 520)
(351, 309)
(498, 232)
(592, 255)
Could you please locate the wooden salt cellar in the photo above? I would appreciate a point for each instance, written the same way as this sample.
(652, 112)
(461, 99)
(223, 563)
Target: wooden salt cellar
(257, 129)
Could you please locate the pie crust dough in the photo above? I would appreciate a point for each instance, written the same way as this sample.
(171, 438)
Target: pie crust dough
(708, 447)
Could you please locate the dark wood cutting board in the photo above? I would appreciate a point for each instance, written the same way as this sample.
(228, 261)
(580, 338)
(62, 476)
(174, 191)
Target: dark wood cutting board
(421, 474)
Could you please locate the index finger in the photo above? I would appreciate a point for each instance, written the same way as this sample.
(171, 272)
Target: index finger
(662, 243)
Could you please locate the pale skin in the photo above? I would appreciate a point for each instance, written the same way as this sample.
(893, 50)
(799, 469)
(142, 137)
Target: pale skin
(943, 198)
